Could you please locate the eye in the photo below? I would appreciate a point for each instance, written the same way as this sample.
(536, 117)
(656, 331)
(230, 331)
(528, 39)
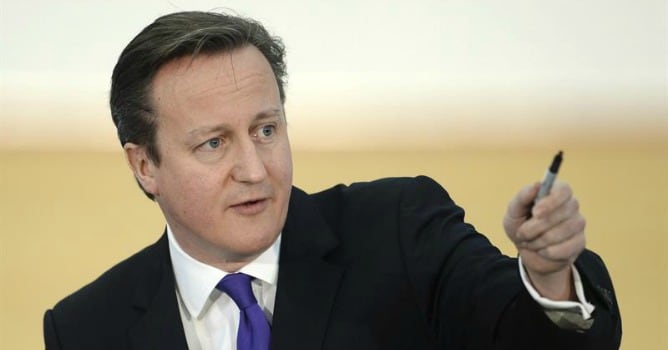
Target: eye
(213, 143)
(267, 130)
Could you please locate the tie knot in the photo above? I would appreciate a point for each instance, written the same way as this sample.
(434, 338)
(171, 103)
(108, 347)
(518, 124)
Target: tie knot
(238, 287)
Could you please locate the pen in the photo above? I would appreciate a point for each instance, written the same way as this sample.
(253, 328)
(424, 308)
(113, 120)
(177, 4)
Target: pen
(550, 176)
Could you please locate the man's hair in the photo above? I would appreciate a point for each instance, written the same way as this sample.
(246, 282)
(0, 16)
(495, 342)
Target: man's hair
(171, 37)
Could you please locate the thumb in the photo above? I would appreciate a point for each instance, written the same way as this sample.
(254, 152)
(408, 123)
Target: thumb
(519, 209)
(520, 205)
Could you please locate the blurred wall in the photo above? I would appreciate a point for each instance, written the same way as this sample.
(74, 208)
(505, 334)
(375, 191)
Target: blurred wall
(373, 74)
(65, 217)
(478, 95)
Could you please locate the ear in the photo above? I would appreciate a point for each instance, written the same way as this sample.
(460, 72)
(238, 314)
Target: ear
(142, 166)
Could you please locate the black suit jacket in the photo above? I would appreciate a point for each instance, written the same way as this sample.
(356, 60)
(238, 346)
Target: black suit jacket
(388, 264)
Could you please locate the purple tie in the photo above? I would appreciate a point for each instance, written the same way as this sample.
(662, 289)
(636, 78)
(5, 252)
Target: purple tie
(254, 332)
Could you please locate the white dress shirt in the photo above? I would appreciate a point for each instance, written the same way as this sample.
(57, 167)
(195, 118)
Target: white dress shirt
(211, 318)
(582, 304)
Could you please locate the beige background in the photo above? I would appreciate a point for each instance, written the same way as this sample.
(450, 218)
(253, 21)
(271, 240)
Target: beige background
(477, 94)
(65, 217)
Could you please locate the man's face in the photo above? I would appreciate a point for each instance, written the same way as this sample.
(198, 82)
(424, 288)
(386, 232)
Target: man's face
(225, 173)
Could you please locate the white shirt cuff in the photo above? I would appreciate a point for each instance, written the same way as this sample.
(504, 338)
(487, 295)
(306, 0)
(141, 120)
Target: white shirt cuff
(585, 307)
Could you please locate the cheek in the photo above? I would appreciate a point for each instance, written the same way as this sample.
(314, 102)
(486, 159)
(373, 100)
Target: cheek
(187, 185)
(281, 169)
(284, 160)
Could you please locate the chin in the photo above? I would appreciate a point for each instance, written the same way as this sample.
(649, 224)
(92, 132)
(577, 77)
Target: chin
(256, 246)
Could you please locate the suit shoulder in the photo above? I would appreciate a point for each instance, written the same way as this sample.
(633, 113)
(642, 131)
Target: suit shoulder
(113, 287)
(375, 201)
(383, 188)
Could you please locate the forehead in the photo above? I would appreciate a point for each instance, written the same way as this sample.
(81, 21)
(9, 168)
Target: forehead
(208, 88)
(225, 70)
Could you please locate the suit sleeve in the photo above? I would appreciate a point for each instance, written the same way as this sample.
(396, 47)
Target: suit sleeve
(522, 325)
(473, 295)
(51, 341)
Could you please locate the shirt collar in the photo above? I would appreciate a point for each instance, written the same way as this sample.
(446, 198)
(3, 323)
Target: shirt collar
(195, 280)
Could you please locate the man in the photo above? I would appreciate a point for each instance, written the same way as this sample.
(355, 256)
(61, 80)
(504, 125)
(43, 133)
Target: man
(197, 99)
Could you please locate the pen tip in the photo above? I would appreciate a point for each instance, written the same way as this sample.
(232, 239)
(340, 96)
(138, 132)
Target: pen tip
(554, 167)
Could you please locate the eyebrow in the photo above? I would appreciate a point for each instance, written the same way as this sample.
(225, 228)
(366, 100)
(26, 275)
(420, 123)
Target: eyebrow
(272, 113)
(223, 127)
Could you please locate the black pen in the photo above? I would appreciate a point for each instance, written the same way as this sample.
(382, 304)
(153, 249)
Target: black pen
(550, 176)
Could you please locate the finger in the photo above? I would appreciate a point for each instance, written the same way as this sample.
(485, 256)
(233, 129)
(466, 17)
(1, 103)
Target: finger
(537, 226)
(566, 250)
(519, 206)
(533, 261)
(560, 193)
(517, 211)
(559, 233)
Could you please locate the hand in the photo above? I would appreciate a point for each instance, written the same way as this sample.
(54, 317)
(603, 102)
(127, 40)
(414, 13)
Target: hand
(550, 241)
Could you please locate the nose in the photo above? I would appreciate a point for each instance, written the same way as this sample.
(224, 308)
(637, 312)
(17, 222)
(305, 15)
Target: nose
(249, 165)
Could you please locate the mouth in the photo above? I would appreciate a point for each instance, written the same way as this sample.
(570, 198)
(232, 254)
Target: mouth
(251, 207)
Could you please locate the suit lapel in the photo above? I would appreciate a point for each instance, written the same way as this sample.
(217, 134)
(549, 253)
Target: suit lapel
(160, 325)
(307, 284)
(306, 289)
